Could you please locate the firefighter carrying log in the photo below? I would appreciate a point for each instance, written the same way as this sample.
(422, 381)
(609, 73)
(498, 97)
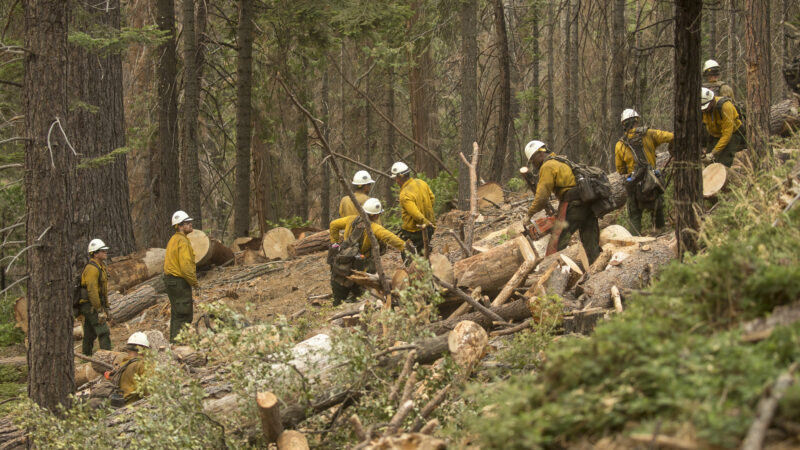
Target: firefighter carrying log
(635, 159)
(556, 177)
(353, 250)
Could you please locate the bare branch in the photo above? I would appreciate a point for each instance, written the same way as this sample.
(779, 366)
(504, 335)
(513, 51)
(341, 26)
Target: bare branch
(14, 284)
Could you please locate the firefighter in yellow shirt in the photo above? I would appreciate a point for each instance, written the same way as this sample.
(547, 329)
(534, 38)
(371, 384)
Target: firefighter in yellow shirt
(556, 177)
(416, 204)
(635, 153)
(723, 123)
(93, 304)
(180, 274)
(354, 249)
(131, 366)
(711, 73)
(362, 183)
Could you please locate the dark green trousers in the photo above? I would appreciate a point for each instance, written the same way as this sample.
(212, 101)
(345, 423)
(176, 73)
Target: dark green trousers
(342, 293)
(181, 304)
(416, 238)
(581, 218)
(93, 329)
(635, 214)
(736, 144)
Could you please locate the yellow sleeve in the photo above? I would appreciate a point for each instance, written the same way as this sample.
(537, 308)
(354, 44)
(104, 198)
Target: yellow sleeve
(727, 126)
(186, 260)
(90, 277)
(660, 137)
(410, 206)
(346, 207)
(547, 180)
(619, 159)
(335, 227)
(387, 237)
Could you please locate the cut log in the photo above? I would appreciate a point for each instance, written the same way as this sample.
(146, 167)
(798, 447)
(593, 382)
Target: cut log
(189, 356)
(252, 257)
(128, 271)
(715, 177)
(21, 314)
(601, 262)
(583, 322)
(208, 251)
(317, 242)
(84, 373)
(292, 440)
(300, 232)
(442, 268)
(269, 412)
(490, 195)
(618, 194)
(467, 343)
(492, 269)
(275, 243)
(784, 117)
(108, 357)
(11, 437)
(519, 276)
(246, 243)
(613, 232)
(221, 406)
(418, 441)
(126, 307)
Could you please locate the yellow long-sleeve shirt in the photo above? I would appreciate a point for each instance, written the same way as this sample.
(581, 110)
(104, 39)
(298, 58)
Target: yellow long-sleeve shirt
(179, 259)
(346, 207)
(96, 282)
(721, 123)
(381, 234)
(127, 380)
(623, 154)
(416, 203)
(554, 176)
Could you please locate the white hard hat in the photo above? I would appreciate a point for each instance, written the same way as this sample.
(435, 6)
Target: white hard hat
(628, 114)
(180, 217)
(399, 168)
(96, 245)
(372, 206)
(362, 177)
(706, 95)
(710, 64)
(139, 339)
(533, 147)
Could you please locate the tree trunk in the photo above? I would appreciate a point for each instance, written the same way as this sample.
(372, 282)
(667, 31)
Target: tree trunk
(191, 188)
(492, 269)
(391, 136)
(100, 206)
(618, 59)
(469, 93)
(244, 80)
(134, 269)
(712, 32)
(325, 194)
(504, 99)
(422, 93)
(733, 56)
(576, 146)
(49, 184)
(688, 176)
(759, 84)
(164, 160)
(551, 98)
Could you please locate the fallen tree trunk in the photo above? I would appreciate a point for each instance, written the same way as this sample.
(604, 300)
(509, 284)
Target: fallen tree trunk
(492, 269)
(128, 271)
(208, 251)
(510, 312)
(125, 307)
(784, 117)
(317, 242)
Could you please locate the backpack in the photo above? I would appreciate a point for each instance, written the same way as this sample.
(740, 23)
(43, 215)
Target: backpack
(650, 183)
(739, 109)
(591, 185)
(79, 290)
(348, 257)
(110, 388)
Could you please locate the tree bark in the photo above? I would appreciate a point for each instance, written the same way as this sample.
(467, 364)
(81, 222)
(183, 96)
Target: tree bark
(504, 99)
(135, 268)
(391, 137)
(191, 187)
(325, 194)
(551, 98)
(618, 60)
(316, 242)
(49, 184)
(733, 56)
(688, 176)
(469, 93)
(96, 128)
(164, 160)
(244, 127)
(759, 85)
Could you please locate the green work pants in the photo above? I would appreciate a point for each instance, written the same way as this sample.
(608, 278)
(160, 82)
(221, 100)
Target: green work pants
(93, 329)
(736, 144)
(416, 238)
(342, 293)
(635, 214)
(581, 218)
(181, 304)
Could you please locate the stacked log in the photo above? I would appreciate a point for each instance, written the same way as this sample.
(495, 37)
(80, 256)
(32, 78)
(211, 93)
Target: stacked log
(130, 270)
(208, 251)
(492, 269)
(317, 242)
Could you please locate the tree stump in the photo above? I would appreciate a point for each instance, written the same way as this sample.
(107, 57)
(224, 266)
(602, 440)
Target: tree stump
(208, 251)
(490, 195)
(317, 242)
(246, 243)
(292, 440)
(715, 178)
(275, 243)
(269, 412)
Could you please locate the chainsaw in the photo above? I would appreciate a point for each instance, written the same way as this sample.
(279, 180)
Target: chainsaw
(552, 225)
(540, 227)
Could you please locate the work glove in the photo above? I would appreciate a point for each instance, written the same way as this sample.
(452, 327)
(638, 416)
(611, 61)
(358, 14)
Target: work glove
(102, 317)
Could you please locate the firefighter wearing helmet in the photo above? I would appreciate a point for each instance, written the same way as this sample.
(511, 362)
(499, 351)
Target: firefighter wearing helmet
(93, 304)
(362, 183)
(721, 118)
(416, 203)
(711, 80)
(180, 274)
(635, 159)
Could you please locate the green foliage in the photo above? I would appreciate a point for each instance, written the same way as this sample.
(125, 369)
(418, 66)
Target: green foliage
(445, 188)
(291, 222)
(99, 161)
(526, 348)
(515, 184)
(675, 358)
(105, 41)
